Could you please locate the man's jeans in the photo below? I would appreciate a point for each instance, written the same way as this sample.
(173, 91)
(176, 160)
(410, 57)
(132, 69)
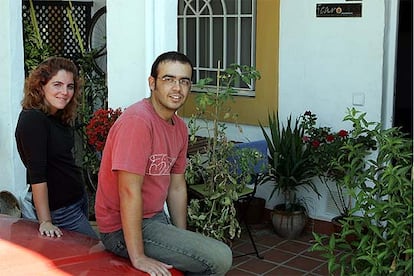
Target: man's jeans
(187, 251)
(74, 217)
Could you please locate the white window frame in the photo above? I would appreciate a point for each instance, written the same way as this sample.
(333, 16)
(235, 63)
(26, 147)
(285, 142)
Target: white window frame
(198, 9)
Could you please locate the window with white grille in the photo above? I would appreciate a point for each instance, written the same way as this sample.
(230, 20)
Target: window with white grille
(218, 30)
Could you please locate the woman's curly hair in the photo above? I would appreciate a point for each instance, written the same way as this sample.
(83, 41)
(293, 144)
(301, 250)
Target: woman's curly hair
(34, 97)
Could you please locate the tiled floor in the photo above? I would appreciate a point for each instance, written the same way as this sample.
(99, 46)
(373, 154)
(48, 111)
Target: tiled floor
(280, 256)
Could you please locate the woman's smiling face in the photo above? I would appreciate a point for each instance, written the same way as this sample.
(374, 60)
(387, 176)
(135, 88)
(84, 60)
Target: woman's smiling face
(59, 90)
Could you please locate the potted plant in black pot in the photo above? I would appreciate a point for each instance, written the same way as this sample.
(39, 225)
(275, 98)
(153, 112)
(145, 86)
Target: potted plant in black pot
(290, 168)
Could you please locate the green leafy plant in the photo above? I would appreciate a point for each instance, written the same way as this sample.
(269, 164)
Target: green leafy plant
(327, 146)
(35, 50)
(224, 170)
(381, 220)
(290, 160)
(94, 98)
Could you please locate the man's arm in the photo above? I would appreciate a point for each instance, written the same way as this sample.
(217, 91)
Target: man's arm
(177, 200)
(130, 196)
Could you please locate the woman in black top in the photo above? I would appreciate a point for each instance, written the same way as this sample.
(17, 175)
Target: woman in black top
(45, 142)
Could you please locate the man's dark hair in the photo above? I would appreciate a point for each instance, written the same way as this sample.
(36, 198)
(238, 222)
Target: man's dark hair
(169, 56)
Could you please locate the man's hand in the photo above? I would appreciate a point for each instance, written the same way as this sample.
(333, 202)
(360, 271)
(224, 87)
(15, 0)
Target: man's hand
(151, 266)
(48, 229)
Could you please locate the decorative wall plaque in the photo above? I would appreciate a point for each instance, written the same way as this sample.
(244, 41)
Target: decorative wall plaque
(339, 10)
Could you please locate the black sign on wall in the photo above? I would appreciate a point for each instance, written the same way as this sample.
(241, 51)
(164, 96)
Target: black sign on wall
(339, 10)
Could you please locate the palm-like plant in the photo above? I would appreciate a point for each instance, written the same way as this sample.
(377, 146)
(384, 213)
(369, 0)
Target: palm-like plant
(289, 159)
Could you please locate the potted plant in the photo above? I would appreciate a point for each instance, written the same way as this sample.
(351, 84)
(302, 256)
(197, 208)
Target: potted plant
(218, 171)
(382, 216)
(328, 153)
(290, 168)
(97, 131)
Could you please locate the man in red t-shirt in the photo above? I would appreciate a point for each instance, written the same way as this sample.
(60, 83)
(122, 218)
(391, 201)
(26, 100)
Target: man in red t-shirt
(142, 167)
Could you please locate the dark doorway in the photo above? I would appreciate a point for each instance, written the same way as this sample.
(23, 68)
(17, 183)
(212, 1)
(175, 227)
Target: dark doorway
(403, 110)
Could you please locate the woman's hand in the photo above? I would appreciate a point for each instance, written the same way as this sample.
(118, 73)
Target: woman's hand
(48, 229)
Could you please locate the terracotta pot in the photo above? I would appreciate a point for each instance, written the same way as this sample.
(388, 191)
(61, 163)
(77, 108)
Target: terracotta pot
(288, 224)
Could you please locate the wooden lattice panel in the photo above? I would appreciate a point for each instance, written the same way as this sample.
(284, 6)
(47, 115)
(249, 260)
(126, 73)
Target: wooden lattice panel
(54, 24)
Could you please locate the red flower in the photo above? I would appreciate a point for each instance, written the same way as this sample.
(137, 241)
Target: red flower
(98, 128)
(330, 138)
(343, 133)
(316, 144)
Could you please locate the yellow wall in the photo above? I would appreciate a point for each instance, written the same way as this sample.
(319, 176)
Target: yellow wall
(252, 110)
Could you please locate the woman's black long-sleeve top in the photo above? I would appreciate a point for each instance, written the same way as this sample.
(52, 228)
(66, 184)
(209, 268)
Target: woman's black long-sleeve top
(45, 146)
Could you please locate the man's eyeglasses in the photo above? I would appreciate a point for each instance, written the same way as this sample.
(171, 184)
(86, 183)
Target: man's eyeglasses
(170, 81)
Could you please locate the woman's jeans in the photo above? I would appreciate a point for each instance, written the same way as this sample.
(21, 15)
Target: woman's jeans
(187, 251)
(74, 217)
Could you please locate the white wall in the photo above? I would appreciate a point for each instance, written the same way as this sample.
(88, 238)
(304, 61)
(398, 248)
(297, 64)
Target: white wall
(390, 56)
(12, 172)
(327, 63)
(137, 32)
